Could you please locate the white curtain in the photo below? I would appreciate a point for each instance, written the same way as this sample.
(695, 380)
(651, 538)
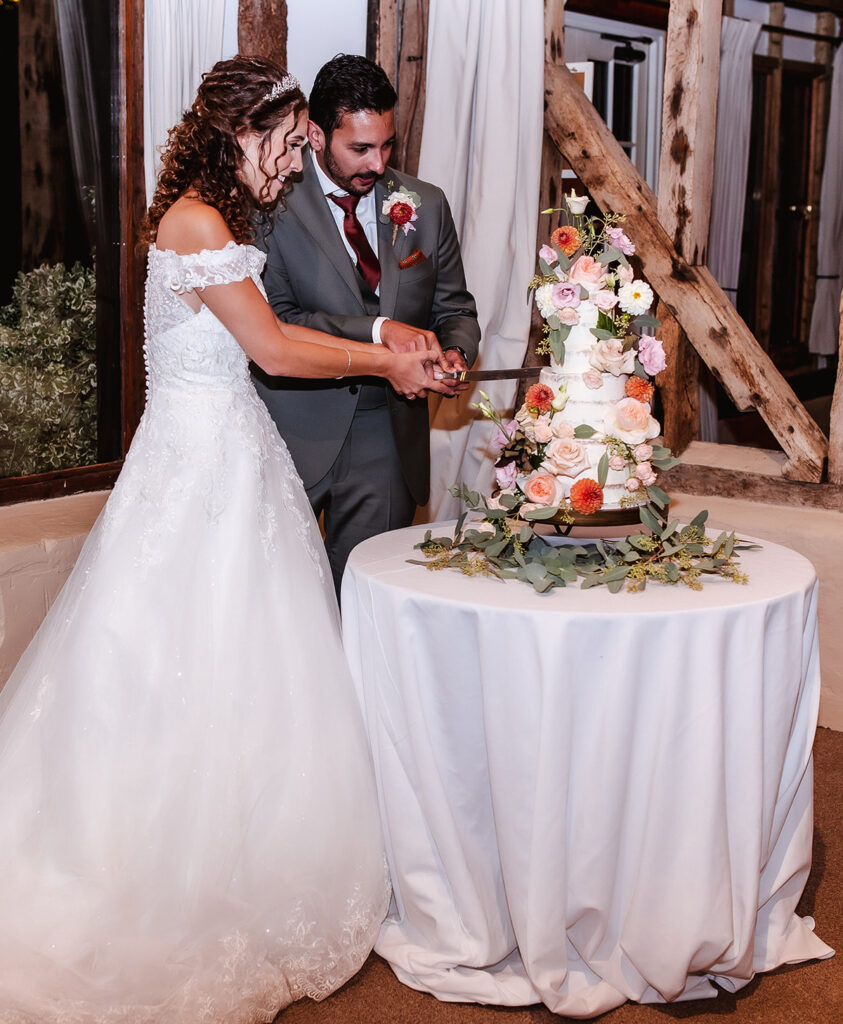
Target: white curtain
(825, 319)
(182, 39)
(481, 143)
(738, 39)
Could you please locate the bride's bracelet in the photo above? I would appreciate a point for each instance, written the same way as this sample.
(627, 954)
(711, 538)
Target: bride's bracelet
(347, 365)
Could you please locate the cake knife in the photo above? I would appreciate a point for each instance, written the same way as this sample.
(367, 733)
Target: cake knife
(516, 373)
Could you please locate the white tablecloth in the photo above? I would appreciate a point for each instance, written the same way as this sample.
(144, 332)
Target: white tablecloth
(588, 797)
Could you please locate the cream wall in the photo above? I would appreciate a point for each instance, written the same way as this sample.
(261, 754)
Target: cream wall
(40, 541)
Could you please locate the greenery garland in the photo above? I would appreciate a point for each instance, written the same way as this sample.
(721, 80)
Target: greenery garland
(509, 548)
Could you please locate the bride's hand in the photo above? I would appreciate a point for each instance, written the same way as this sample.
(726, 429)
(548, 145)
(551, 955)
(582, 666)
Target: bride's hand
(412, 373)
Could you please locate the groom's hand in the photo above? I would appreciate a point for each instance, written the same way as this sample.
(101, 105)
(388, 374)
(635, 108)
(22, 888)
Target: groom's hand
(400, 337)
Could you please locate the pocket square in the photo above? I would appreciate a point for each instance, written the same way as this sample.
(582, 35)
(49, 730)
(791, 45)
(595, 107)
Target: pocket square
(416, 256)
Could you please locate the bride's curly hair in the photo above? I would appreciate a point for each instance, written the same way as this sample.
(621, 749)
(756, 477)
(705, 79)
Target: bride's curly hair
(244, 94)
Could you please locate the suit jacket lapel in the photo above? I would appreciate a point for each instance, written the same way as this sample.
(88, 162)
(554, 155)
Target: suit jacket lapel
(310, 207)
(390, 255)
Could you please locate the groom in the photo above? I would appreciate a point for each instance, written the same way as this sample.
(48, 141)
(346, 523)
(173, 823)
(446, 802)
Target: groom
(336, 262)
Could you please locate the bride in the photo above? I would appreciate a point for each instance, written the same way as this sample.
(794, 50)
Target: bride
(188, 824)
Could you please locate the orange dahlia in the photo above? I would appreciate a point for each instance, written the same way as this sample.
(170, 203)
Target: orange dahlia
(586, 496)
(567, 238)
(639, 389)
(539, 397)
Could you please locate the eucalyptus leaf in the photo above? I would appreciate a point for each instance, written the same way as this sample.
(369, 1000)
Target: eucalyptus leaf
(600, 334)
(545, 268)
(657, 496)
(525, 534)
(614, 586)
(508, 501)
(603, 469)
(619, 572)
(699, 519)
(557, 346)
(584, 431)
(553, 322)
(645, 320)
(671, 571)
(649, 520)
(497, 547)
(609, 255)
(540, 513)
(664, 463)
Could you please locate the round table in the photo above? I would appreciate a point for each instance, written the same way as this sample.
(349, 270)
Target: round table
(588, 797)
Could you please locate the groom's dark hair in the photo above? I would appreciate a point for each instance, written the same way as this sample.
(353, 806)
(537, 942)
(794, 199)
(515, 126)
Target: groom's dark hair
(346, 84)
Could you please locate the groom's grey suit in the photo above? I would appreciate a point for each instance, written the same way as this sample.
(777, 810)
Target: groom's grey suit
(311, 280)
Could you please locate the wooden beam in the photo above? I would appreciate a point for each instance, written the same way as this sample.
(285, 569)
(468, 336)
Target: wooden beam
(550, 186)
(410, 85)
(710, 481)
(132, 214)
(766, 247)
(711, 323)
(686, 171)
(835, 434)
(262, 29)
(381, 36)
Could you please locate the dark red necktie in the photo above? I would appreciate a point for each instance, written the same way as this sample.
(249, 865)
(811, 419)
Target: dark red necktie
(367, 261)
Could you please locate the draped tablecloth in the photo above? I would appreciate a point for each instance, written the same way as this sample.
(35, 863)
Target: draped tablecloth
(588, 797)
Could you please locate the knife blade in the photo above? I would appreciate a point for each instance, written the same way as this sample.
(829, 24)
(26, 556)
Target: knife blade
(515, 373)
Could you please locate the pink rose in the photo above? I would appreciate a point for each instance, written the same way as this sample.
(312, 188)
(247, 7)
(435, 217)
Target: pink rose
(632, 484)
(620, 241)
(548, 254)
(643, 453)
(630, 421)
(644, 472)
(568, 315)
(617, 463)
(542, 430)
(565, 295)
(542, 489)
(605, 300)
(505, 476)
(609, 355)
(561, 428)
(651, 354)
(589, 273)
(593, 379)
(625, 274)
(566, 456)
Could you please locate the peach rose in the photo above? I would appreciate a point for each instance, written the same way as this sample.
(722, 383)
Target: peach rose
(593, 379)
(625, 274)
(542, 489)
(568, 316)
(608, 355)
(632, 484)
(643, 453)
(630, 421)
(561, 428)
(644, 472)
(566, 456)
(589, 273)
(542, 430)
(617, 463)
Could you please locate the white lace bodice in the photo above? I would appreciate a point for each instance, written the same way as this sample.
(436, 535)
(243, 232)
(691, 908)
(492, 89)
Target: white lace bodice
(184, 347)
(204, 429)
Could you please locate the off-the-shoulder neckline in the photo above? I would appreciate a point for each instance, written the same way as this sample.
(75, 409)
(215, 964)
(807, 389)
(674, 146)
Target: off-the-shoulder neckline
(204, 252)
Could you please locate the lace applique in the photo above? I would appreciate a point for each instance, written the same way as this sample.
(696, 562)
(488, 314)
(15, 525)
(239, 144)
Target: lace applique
(250, 983)
(234, 262)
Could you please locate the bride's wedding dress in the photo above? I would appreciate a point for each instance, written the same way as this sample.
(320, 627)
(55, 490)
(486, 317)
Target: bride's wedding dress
(188, 824)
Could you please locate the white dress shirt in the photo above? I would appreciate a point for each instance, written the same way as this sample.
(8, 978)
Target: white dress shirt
(366, 214)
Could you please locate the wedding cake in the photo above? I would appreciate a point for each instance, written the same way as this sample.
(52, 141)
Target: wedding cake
(584, 440)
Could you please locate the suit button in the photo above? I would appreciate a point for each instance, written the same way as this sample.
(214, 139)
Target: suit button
(353, 389)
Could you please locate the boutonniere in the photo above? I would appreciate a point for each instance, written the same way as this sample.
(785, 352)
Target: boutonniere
(400, 207)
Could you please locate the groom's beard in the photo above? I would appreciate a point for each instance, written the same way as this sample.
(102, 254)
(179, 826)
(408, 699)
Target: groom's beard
(356, 184)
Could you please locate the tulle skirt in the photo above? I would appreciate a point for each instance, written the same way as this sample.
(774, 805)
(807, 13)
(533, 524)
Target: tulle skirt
(188, 822)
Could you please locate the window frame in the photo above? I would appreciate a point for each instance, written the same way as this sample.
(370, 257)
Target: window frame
(128, 88)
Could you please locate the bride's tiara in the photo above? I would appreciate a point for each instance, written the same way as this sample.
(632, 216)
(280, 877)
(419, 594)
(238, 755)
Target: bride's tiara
(287, 84)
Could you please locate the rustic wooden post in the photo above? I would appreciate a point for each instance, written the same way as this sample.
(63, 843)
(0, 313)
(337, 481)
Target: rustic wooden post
(262, 29)
(712, 324)
(769, 182)
(550, 188)
(686, 170)
(835, 436)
